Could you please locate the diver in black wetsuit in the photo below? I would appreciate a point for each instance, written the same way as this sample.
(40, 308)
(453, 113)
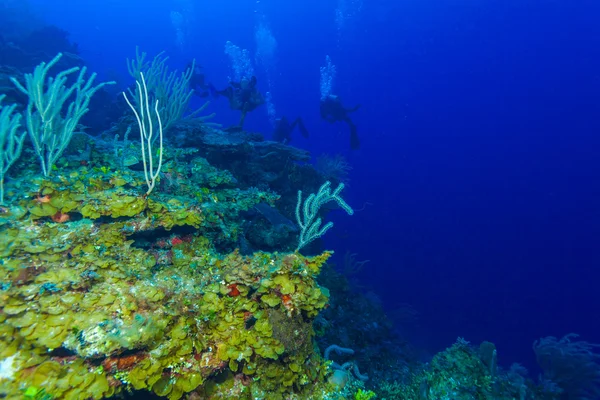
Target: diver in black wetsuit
(243, 96)
(283, 129)
(198, 82)
(332, 110)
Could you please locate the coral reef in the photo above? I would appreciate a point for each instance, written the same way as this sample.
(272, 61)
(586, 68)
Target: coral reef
(105, 290)
(193, 289)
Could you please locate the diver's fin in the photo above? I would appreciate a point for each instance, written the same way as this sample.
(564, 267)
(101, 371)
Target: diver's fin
(302, 128)
(214, 92)
(354, 140)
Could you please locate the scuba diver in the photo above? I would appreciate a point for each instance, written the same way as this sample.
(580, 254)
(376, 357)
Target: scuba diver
(198, 80)
(242, 96)
(283, 129)
(332, 110)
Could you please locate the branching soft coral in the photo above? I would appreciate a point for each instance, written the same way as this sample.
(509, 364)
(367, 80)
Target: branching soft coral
(572, 364)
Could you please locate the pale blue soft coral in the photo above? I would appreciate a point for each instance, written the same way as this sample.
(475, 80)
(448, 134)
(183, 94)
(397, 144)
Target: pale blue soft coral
(11, 140)
(307, 212)
(56, 104)
(572, 364)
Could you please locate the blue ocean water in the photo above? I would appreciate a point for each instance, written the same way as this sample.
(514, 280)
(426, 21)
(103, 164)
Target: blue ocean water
(476, 187)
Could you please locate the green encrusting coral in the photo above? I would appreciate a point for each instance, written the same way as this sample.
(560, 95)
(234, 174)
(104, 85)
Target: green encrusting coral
(87, 312)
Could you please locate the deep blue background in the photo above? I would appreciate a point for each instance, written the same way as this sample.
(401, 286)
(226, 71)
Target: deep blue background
(480, 124)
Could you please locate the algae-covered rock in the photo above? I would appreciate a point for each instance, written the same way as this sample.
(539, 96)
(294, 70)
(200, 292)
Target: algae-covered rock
(107, 290)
